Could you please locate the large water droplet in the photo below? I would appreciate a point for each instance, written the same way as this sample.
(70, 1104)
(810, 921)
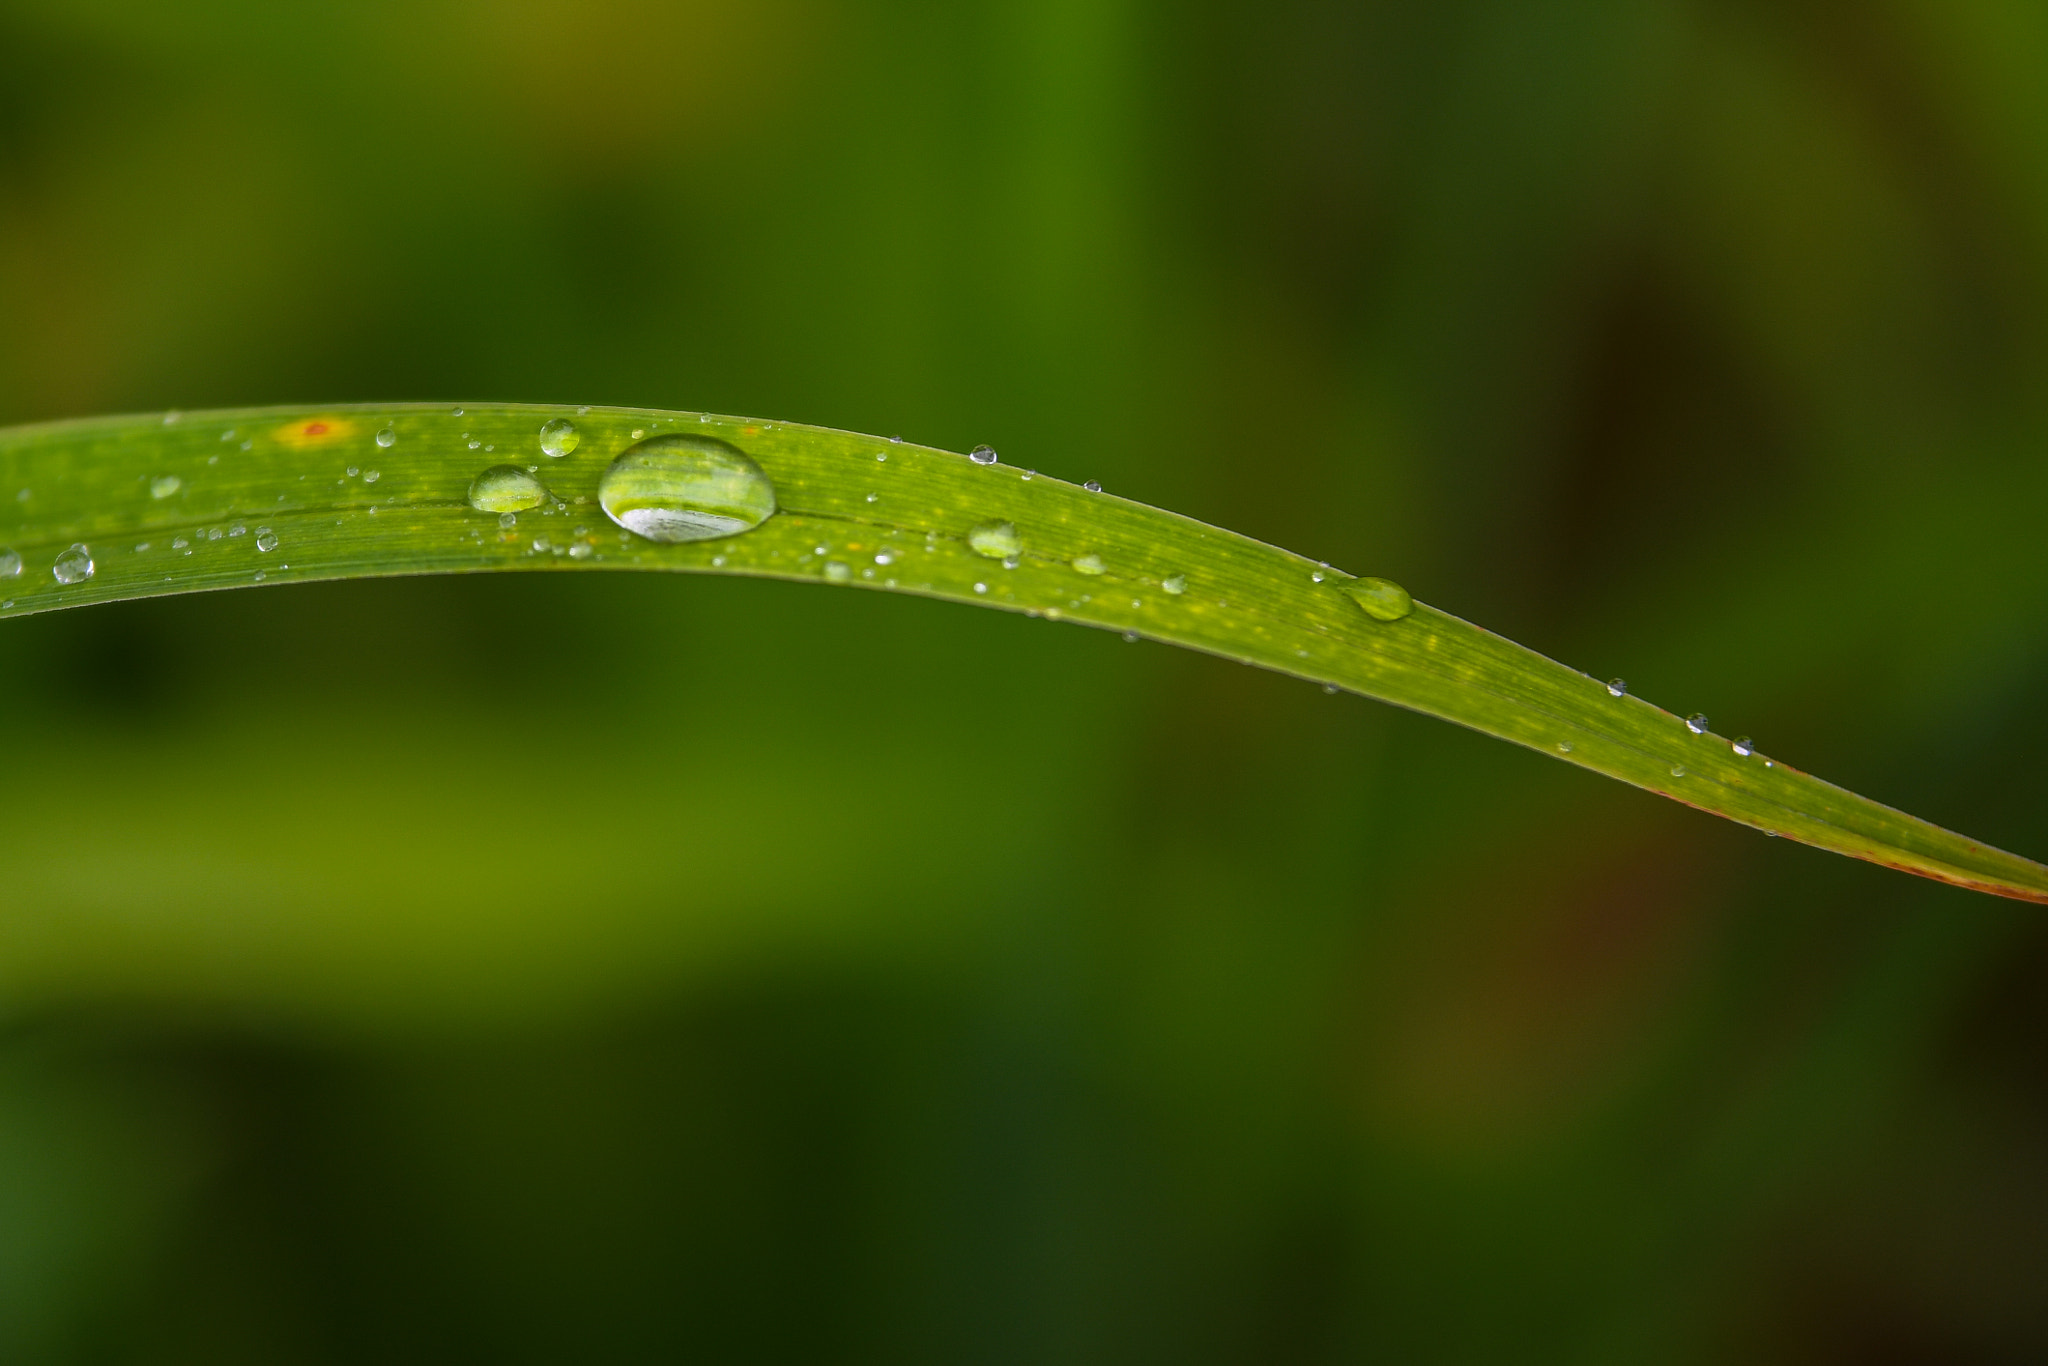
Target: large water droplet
(983, 455)
(1743, 746)
(1617, 687)
(686, 488)
(1382, 599)
(996, 540)
(506, 488)
(387, 438)
(559, 437)
(73, 566)
(1697, 723)
(10, 563)
(1089, 564)
(165, 486)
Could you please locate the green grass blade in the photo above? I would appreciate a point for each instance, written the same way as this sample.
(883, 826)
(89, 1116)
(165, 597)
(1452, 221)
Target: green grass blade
(169, 504)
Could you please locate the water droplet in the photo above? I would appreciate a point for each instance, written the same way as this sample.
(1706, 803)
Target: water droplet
(559, 437)
(371, 476)
(686, 488)
(507, 520)
(838, 571)
(1617, 687)
(239, 530)
(179, 543)
(1678, 770)
(1092, 486)
(1382, 599)
(1332, 689)
(228, 435)
(506, 488)
(873, 496)
(1175, 584)
(1743, 746)
(164, 486)
(983, 455)
(1315, 576)
(1696, 723)
(475, 444)
(458, 412)
(1130, 637)
(580, 551)
(387, 438)
(1027, 475)
(639, 432)
(885, 557)
(141, 546)
(981, 588)
(821, 549)
(584, 411)
(541, 545)
(10, 563)
(995, 540)
(1089, 564)
(881, 457)
(1564, 747)
(259, 576)
(266, 539)
(73, 566)
(718, 561)
(213, 533)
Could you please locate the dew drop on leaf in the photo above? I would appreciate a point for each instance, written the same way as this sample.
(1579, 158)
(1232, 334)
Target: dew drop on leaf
(1382, 599)
(1617, 687)
(1743, 746)
(995, 540)
(387, 438)
(10, 563)
(506, 488)
(837, 571)
(983, 455)
(686, 488)
(1089, 564)
(559, 437)
(1697, 723)
(164, 486)
(1175, 584)
(266, 539)
(73, 566)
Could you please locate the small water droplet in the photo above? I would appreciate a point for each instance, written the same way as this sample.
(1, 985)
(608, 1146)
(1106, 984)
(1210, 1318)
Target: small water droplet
(838, 571)
(75, 565)
(541, 545)
(239, 530)
(213, 533)
(179, 543)
(371, 476)
(353, 471)
(507, 520)
(981, 588)
(580, 551)
(873, 496)
(387, 438)
(584, 411)
(1092, 486)
(1130, 637)
(266, 539)
(506, 488)
(10, 563)
(1315, 576)
(1175, 584)
(259, 576)
(1564, 747)
(475, 444)
(1332, 689)
(639, 432)
(1027, 475)
(213, 460)
(995, 540)
(1743, 746)
(983, 455)
(141, 546)
(881, 457)
(1678, 770)
(247, 444)
(228, 435)
(458, 412)
(718, 561)
(559, 437)
(164, 486)
(885, 557)
(1089, 564)
(1617, 687)
(686, 488)
(1696, 723)
(1382, 599)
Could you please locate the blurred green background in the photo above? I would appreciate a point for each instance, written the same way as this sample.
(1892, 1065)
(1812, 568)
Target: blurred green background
(622, 968)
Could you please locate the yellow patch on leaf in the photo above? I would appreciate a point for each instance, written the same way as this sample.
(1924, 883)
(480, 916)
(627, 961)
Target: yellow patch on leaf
(313, 431)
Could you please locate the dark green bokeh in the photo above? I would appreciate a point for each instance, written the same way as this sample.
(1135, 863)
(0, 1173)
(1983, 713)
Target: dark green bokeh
(632, 968)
